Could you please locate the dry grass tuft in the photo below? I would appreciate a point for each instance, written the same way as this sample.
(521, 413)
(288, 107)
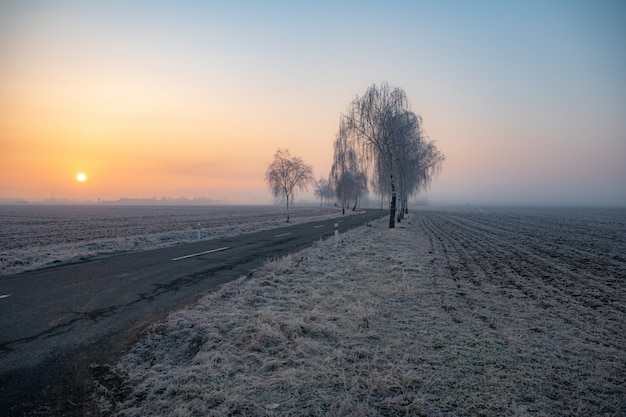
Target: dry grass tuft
(377, 325)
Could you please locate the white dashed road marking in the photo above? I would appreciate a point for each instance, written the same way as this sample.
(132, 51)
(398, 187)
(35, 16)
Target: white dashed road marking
(200, 253)
(283, 234)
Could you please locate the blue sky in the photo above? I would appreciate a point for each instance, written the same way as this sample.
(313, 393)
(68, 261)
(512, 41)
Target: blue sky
(525, 98)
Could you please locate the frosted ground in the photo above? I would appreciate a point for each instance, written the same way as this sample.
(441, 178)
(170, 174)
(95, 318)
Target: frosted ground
(36, 236)
(504, 312)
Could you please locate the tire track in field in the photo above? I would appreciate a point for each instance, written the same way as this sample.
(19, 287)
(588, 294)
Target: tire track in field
(499, 259)
(555, 269)
(494, 284)
(508, 263)
(462, 269)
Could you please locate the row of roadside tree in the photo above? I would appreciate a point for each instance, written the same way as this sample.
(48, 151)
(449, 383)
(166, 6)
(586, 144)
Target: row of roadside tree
(380, 145)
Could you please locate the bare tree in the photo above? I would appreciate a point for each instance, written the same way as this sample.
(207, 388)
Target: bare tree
(390, 143)
(329, 193)
(347, 177)
(418, 164)
(323, 190)
(377, 125)
(380, 184)
(286, 174)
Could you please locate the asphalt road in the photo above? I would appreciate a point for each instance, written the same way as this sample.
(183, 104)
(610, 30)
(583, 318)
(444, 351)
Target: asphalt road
(60, 320)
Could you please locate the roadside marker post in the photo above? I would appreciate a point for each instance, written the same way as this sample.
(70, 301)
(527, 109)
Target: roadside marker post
(199, 232)
(336, 229)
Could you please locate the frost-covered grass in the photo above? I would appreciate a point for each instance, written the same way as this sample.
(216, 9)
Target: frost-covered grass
(451, 313)
(33, 237)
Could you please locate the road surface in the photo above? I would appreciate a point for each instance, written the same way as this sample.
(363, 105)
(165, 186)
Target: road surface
(57, 321)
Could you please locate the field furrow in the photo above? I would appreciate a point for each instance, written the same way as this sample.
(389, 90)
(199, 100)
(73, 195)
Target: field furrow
(526, 261)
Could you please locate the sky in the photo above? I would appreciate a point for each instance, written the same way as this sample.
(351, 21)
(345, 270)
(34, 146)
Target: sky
(526, 99)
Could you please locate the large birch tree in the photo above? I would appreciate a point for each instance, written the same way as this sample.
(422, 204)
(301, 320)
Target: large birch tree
(373, 125)
(389, 143)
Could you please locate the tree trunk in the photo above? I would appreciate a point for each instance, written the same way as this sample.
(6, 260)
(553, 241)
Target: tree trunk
(287, 209)
(392, 208)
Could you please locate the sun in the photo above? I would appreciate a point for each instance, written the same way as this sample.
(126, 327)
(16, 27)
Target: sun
(81, 177)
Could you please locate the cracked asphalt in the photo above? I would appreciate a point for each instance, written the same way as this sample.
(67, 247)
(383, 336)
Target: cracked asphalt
(58, 323)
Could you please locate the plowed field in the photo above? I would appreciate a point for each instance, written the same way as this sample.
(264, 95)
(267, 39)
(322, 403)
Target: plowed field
(551, 287)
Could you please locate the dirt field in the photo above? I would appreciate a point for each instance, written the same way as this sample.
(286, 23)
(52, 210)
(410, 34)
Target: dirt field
(461, 312)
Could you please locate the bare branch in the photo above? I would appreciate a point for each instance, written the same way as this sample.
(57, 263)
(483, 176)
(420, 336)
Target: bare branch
(389, 144)
(286, 174)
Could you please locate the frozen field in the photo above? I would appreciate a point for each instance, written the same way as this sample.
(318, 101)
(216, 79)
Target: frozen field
(508, 312)
(35, 236)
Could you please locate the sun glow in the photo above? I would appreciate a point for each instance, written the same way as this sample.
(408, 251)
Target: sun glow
(81, 177)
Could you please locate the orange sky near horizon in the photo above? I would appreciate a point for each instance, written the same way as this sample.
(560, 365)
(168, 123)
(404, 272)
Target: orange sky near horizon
(143, 141)
(191, 100)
